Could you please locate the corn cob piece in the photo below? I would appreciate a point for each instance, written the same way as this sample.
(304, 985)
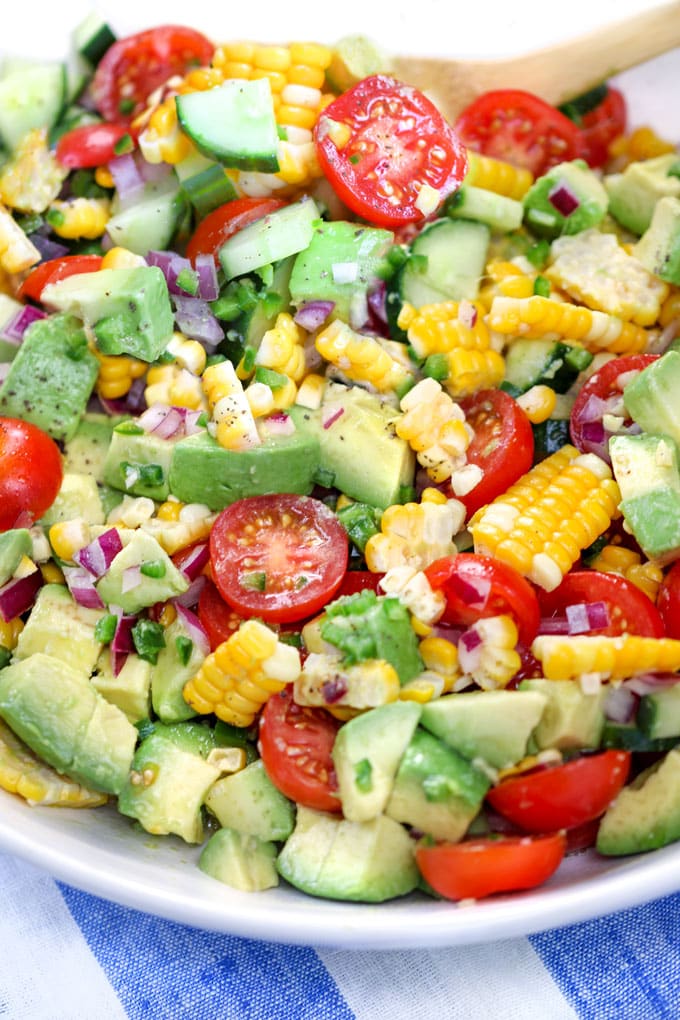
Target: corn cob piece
(490, 659)
(361, 358)
(542, 523)
(617, 559)
(23, 773)
(435, 428)
(414, 534)
(324, 682)
(282, 348)
(236, 680)
(233, 421)
(610, 658)
(505, 279)
(499, 176)
(545, 317)
(117, 372)
(32, 177)
(413, 590)
(444, 326)
(79, 218)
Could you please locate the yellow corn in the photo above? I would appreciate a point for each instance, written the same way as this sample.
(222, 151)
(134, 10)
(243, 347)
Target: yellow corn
(121, 258)
(611, 658)
(670, 309)
(69, 537)
(361, 358)
(282, 348)
(471, 371)
(260, 399)
(617, 559)
(414, 534)
(236, 680)
(117, 372)
(233, 419)
(324, 682)
(32, 177)
(17, 253)
(542, 523)
(23, 773)
(192, 524)
(497, 175)
(440, 674)
(170, 384)
(162, 140)
(10, 631)
(170, 510)
(642, 143)
(51, 573)
(103, 177)
(311, 390)
(434, 426)
(445, 326)
(538, 403)
(80, 218)
(413, 590)
(545, 317)
(505, 279)
(188, 354)
(493, 662)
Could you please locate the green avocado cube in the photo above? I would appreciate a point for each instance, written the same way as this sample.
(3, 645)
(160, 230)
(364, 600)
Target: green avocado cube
(177, 663)
(14, 544)
(659, 247)
(78, 496)
(567, 199)
(571, 718)
(139, 464)
(116, 588)
(241, 861)
(130, 689)
(634, 193)
(85, 452)
(248, 802)
(646, 813)
(652, 397)
(59, 627)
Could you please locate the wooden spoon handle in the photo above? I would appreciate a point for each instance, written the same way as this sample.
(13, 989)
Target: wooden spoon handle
(556, 73)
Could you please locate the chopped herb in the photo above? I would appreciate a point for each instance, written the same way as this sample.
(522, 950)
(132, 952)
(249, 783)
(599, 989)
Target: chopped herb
(129, 428)
(124, 145)
(187, 280)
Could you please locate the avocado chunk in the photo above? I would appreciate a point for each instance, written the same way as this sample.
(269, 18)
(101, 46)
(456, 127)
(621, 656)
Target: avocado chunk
(241, 861)
(139, 549)
(646, 469)
(571, 718)
(341, 860)
(658, 714)
(646, 813)
(53, 707)
(249, 803)
(367, 752)
(14, 545)
(355, 57)
(52, 377)
(492, 726)
(177, 662)
(652, 397)
(202, 471)
(78, 496)
(86, 451)
(169, 780)
(659, 247)
(129, 689)
(128, 309)
(360, 452)
(634, 193)
(343, 260)
(59, 627)
(567, 199)
(138, 463)
(436, 789)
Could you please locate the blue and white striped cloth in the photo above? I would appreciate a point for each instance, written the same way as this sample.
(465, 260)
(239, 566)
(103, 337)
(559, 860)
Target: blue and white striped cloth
(66, 955)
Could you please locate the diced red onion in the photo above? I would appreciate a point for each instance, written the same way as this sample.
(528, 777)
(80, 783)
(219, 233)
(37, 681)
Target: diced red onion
(98, 555)
(194, 628)
(81, 585)
(133, 403)
(162, 421)
(473, 593)
(647, 683)
(332, 417)
(191, 596)
(467, 314)
(553, 625)
(18, 595)
(48, 248)
(596, 407)
(196, 320)
(278, 424)
(15, 329)
(194, 560)
(620, 704)
(152, 173)
(377, 301)
(171, 265)
(313, 314)
(562, 198)
(470, 640)
(127, 177)
(122, 643)
(208, 287)
(191, 426)
(586, 616)
(334, 690)
(132, 576)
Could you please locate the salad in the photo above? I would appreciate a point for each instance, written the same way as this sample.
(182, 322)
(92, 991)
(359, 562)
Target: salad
(340, 516)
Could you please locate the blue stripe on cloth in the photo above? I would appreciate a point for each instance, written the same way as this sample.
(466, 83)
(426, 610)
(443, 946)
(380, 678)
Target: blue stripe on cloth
(166, 971)
(621, 967)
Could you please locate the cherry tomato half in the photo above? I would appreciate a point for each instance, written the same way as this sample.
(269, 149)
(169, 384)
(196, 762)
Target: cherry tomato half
(477, 587)
(480, 867)
(57, 269)
(563, 796)
(630, 610)
(219, 620)
(228, 219)
(380, 143)
(602, 125)
(521, 128)
(133, 67)
(92, 144)
(502, 446)
(31, 472)
(602, 394)
(295, 745)
(278, 557)
(668, 601)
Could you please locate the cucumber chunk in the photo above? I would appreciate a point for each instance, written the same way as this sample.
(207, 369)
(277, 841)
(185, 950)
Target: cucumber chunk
(233, 123)
(31, 96)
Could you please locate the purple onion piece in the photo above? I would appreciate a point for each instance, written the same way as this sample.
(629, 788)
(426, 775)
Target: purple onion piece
(562, 198)
(473, 593)
(131, 578)
(15, 329)
(208, 286)
(334, 690)
(18, 595)
(553, 625)
(194, 628)
(312, 315)
(621, 704)
(127, 178)
(191, 596)
(333, 417)
(196, 320)
(194, 561)
(48, 248)
(98, 556)
(377, 301)
(81, 585)
(470, 640)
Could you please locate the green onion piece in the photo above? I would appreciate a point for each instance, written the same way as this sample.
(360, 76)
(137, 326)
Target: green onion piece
(105, 628)
(154, 568)
(149, 639)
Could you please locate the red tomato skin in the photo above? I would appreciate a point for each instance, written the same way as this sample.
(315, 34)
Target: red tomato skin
(630, 610)
(56, 269)
(481, 867)
(602, 125)
(133, 67)
(509, 592)
(220, 224)
(602, 384)
(31, 472)
(502, 446)
(520, 128)
(668, 601)
(562, 796)
(386, 192)
(358, 580)
(219, 620)
(274, 548)
(90, 144)
(295, 744)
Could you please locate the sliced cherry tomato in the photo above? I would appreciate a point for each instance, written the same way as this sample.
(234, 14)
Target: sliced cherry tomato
(218, 618)
(520, 128)
(31, 472)
(278, 557)
(668, 601)
(503, 445)
(227, 219)
(562, 796)
(630, 610)
(57, 269)
(602, 125)
(92, 144)
(477, 587)
(480, 867)
(133, 67)
(358, 580)
(295, 745)
(602, 394)
(380, 143)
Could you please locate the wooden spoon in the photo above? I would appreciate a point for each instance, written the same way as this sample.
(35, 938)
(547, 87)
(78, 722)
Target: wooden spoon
(556, 73)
